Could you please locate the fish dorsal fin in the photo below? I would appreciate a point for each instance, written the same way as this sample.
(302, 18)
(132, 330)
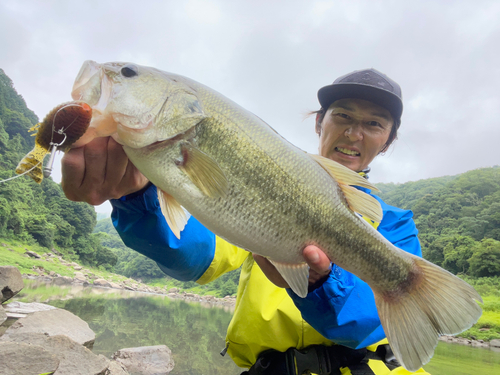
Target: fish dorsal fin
(204, 172)
(173, 212)
(342, 174)
(296, 275)
(357, 200)
(362, 203)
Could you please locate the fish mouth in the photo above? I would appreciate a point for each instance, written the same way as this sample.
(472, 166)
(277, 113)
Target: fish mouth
(348, 151)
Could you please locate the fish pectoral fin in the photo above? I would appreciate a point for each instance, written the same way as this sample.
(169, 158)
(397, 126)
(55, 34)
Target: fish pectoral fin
(435, 303)
(342, 174)
(174, 213)
(362, 203)
(296, 275)
(204, 172)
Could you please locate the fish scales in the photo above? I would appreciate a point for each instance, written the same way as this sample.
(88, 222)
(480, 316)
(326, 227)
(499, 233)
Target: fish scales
(275, 179)
(248, 185)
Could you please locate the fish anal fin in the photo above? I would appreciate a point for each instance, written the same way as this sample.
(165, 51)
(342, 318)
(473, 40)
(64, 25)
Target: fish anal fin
(341, 173)
(362, 203)
(174, 213)
(296, 275)
(203, 171)
(434, 303)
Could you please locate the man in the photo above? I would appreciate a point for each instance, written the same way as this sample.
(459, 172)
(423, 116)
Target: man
(273, 331)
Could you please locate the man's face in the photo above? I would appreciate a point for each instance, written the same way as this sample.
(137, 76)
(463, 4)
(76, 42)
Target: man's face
(353, 132)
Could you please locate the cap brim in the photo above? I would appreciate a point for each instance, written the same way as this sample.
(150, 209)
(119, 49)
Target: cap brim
(328, 94)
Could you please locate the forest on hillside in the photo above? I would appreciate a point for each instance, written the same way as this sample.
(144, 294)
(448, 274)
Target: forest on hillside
(31, 212)
(458, 217)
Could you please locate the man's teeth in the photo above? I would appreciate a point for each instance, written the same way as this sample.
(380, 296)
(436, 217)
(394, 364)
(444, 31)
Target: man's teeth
(346, 151)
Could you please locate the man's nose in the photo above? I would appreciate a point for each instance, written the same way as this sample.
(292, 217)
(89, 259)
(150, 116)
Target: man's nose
(354, 132)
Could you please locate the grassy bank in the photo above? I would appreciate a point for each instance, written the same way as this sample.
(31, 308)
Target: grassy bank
(13, 254)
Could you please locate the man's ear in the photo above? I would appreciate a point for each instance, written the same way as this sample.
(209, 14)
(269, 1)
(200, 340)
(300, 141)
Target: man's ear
(318, 124)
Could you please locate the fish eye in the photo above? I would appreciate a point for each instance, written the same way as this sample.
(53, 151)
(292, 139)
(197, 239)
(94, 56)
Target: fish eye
(129, 71)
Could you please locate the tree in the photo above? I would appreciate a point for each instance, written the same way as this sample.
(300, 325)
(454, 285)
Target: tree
(485, 260)
(457, 252)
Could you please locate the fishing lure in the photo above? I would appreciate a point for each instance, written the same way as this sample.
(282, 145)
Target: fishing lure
(62, 127)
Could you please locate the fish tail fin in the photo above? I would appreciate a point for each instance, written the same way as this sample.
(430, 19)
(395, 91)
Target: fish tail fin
(436, 303)
(32, 163)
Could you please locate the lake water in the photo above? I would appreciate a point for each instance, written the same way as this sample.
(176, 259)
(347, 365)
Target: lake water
(194, 332)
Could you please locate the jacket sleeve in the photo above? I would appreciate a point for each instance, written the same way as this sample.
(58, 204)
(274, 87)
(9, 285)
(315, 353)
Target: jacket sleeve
(198, 255)
(343, 308)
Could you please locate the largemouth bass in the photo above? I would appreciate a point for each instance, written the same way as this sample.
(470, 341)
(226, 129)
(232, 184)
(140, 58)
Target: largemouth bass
(250, 186)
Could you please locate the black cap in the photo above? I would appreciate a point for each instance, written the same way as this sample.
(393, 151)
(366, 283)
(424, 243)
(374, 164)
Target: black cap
(368, 84)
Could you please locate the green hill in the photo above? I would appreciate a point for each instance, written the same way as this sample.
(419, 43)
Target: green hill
(35, 213)
(458, 219)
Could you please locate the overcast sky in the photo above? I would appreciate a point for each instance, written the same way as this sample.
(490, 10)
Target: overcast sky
(271, 57)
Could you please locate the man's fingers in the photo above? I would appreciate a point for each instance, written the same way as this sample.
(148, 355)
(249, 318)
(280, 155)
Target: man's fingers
(73, 171)
(96, 158)
(317, 260)
(320, 266)
(116, 168)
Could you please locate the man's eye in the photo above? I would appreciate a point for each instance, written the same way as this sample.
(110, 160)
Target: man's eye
(374, 123)
(343, 115)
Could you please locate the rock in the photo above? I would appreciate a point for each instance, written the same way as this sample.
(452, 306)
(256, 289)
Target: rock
(128, 287)
(495, 343)
(102, 282)
(32, 254)
(114, 285)
(52, 323)
(173, 290)
(52, 273)
(11, 282)
(3, 315)
(74, 358)
(77, 268)
(25, 359)
(16, 315)
(27, 308)
(115, 368)
(56, 252)
(146, 360)
(80, 278)
(62, 280)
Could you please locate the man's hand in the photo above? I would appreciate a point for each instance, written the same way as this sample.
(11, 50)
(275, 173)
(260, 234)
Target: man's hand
(316, 259)
(99, 171)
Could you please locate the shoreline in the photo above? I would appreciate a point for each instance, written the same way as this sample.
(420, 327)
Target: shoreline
(173, 293)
